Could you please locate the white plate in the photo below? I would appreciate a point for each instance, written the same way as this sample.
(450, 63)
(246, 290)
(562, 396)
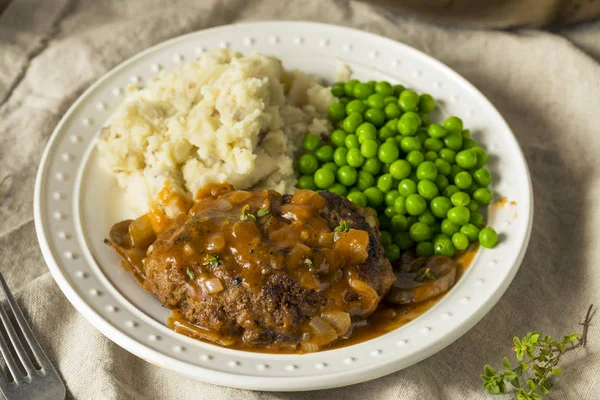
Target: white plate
(75, 205)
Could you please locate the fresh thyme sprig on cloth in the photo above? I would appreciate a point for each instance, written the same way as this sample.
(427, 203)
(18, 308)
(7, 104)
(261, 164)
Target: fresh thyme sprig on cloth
(539, 355)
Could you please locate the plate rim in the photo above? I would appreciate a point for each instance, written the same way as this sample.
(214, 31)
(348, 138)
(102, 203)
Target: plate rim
(242, 380)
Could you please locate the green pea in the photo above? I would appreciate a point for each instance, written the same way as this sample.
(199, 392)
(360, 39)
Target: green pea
(385, 133)
(453, 125)
(384, 89)
(443, 167)
(365, 180)
(344, 100)
(459, 215)
(356, 106)
(477, 220)
(390, 197)
(337, 89)
(362, 90)
(460, 199)
(355, 158)
(366, 131)
(415, 158)
(392, 251)
(453, 141)
(375, 101)
(349, 87)
(400, 169)
(338, 137)
(441, 181)
(448, 155)
(425, 249)
(357, 198)
(483, 196)
(473, 206)
(389, 212)
(352, 122)
(415, 204)
(339, 156)
(368, 148)
(307, 182)
(311, 142)
(471, 231)
(392, 110)
(372, 166)
(420, 232)
(468, 143)
(386, 237)
(404, 241)
(409, 143)
(426, 103)
(422, 136)
(440, 206)
(444, 247)
(336, 111)
(433, 144)
(308, 164)
(390, 99)
(407, 187)
(388, 153)
(353, 189)
(408, 100)
(324, 153)
(466, 134)
(437, 131)
(385, 182)
(482, 156)
(398, 89)
(427, 170)
(424, 118)
(431, 156)
(400, 223)
(463, 180)
(324, 178)
(449, 228)
(351, 142)
(347, 175)
(330, 165)
(392, 124)
(338, 189)
(427, 189)
(454, 170)
(460, 241)
(438, 237)
(374, 196)
(450, 190)
(376, 116)
(483, 177)
(427, 218)
(466, 159)
(409, 123)
(400, 205)
(488, 237)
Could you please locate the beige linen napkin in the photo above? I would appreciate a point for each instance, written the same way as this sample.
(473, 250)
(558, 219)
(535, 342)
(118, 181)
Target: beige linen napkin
(547, 88)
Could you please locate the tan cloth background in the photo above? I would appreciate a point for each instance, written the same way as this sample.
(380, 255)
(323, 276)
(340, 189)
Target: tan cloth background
(547, 86)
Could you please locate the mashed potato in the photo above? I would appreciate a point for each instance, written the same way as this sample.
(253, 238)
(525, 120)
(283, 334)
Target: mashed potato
(224, 117)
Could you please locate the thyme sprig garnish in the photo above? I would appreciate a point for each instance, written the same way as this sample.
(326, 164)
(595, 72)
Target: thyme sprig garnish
(213, 261)
(539, 354)
(190, 273)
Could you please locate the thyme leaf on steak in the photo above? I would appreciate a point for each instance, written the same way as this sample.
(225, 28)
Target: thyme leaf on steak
(246, 214)
(262, 212)
(344, 226)
(539, 354)
(213, 261)
(190, 273)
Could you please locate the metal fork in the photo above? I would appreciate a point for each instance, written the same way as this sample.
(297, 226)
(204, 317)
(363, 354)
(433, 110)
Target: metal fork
(40, 381)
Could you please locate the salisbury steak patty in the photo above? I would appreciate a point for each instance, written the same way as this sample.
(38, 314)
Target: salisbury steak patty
(260, 269)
